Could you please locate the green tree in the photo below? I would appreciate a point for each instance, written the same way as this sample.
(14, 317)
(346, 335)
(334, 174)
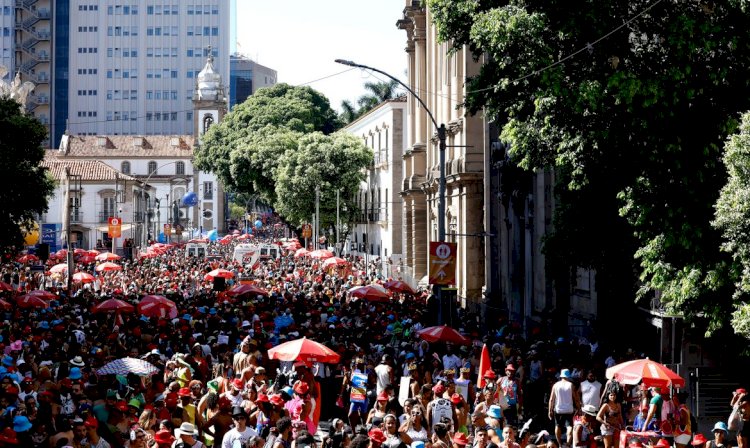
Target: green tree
(243, 149)
(377, 92)
(349, 113)
(25, 185)
(733, 219)
(632, 124)
(328, 162)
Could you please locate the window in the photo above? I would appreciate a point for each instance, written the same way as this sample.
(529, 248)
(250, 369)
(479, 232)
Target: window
(208, 190)
(125, 167)
(208, 120)
(151, 168)
(108, 207)
(179, 168)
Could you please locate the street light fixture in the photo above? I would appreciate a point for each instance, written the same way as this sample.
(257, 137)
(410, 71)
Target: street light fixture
(441, 134)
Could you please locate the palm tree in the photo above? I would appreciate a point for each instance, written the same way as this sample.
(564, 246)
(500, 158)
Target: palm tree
(378, 92)
(348, 112)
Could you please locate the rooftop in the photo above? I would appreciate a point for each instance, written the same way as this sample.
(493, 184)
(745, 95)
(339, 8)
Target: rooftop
(89, 170)
(126, 146)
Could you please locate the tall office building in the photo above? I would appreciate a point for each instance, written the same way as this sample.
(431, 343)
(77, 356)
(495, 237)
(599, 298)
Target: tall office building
(131, 65)
(246, 76)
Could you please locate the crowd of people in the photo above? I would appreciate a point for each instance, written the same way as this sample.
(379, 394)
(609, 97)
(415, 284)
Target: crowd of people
(214, 385)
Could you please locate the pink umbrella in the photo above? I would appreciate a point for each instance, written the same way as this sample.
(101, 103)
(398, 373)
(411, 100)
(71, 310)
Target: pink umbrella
(302, 253)
(370, 293)
(108, 266)
(83, 277)
(107, 256)
(86, 259)
(334, 261)
(321, 254)
(28, 258)
(247, 289)
(92, 252)
(46, 295)
(59, 268)
(443, 333)
(399, 286)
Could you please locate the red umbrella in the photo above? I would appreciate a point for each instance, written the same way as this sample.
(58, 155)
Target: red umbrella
(305, 350)
(31, 301)
(157, 306)
(199, 240)
(399, 286)
(5, 287)
(108, 266)
(5, 305)
(79, 251)
(46, 295)
(321, 254)
(107, 256)
(59, 268)
(246, 236)
(92, 252)
(28, 258)
(370, 293)
(651, 373)
(223, 273)
(86, 259)
(302, 253)
(83, 277)
(61, 254)
(443, 333)
(114, 305)
(334, 261)
(247, 289)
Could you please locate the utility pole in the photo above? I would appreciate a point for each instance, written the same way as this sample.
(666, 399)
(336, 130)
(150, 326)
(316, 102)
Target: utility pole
(338, 223)
(317, 216)
(66, 223)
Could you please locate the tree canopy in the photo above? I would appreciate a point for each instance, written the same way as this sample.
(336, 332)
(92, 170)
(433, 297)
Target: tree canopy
(25, 185)
(629, 101)
(243, 149)
(377, 92)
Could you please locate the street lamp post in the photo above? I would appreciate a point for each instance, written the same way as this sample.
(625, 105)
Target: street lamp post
(441, 134)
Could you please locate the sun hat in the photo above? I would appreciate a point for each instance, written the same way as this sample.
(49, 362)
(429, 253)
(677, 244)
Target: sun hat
(184, 392)
(495, 412)
(490, 375)
(721, 426)
(456, 398)
(91, 422)
(21, 423)
(164, 437)
(187, 429)
(134, 403)
(565, 374)
(438, 389)
(77, 362)
(238, 411)
(276, 400)
(460, 439)
(262, 398)
(376, 435)
(383, 396)
(589, 409)
(237, 383)
(698, 439)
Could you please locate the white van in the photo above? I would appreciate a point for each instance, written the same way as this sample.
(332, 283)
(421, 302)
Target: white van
(196, 249)
(249, 253)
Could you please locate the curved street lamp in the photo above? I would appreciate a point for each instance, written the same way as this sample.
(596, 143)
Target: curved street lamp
(441, 134)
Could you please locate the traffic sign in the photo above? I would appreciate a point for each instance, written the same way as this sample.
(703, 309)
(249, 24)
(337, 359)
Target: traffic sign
(442, 263)
(306, 231)
(115, 227)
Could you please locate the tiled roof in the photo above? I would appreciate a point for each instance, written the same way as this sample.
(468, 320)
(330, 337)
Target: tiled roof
(127, 146)
(88, 169)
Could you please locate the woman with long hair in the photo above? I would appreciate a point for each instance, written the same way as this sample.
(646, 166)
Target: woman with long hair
(610, 416)
(415, 426)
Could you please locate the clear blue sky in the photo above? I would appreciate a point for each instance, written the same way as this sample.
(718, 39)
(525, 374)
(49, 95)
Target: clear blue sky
(301, 38)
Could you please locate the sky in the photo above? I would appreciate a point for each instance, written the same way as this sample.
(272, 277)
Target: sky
(301, 38)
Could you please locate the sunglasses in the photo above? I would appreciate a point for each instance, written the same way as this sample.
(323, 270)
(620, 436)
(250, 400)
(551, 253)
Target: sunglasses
(416, 413)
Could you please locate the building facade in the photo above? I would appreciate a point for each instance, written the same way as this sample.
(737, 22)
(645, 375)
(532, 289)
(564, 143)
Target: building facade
(162, 165)
(245, 77)
(439, 78)
(378, 231)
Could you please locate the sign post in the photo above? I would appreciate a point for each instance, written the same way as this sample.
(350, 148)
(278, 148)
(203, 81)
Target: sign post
(114, 229)
(306, 232)
(442, 263)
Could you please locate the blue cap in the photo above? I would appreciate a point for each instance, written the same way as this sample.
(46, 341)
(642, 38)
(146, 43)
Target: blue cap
(144, 318)
(410, 355)
(212, 311)
(21, 423)
(495, 412)
(202, 309)
(75, 373)
(721, 426)
(57, 322)
(288, 390)
(187, 317)
(7, 361)
(417, 444)
(44, 325)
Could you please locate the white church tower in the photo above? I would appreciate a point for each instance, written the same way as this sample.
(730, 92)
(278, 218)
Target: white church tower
(210, 103)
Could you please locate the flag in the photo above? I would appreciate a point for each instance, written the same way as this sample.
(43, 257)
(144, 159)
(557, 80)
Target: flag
(484, 366)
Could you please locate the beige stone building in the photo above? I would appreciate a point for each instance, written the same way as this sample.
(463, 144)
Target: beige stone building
(438, 79)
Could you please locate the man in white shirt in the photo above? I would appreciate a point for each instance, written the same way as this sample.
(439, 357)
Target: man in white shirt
(240, 431)
(563, 403)
(591, 390)
(384, 373)
(451, 361)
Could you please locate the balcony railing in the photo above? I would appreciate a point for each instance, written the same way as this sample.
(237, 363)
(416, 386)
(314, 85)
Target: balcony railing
(104, 216)
(76, 217)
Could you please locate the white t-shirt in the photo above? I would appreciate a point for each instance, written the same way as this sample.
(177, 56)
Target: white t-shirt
(233, 434)
(591, 393)
(563, 391)
(383, 372)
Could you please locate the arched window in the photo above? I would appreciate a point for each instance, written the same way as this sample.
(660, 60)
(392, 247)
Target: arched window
(125, 167)
(151, 168)
(179, 168)
(208, 120)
